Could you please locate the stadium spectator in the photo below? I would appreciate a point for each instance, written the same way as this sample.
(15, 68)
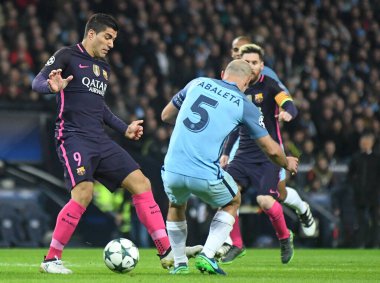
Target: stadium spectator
(364, 178)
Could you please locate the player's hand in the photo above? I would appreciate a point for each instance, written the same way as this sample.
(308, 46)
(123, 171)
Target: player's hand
(292, 164)
(56, 82)
(135, 130)
(284, 116)
(224, 160)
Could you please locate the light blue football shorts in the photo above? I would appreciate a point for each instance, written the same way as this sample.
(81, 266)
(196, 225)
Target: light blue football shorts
(216, 193)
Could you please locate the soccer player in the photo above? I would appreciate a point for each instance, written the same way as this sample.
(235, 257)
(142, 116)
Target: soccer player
(287, 195)
(204, 113)
(79, 76)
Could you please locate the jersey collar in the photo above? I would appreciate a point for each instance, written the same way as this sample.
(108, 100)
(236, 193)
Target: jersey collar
(231, 83)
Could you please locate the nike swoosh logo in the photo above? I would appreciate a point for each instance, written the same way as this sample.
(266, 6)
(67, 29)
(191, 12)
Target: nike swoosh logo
(213, 264)
(274, 192)
(69, 215)
(83, 66)
(151, 207)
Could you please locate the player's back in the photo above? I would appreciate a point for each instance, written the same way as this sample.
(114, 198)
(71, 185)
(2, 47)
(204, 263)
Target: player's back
(211, 109)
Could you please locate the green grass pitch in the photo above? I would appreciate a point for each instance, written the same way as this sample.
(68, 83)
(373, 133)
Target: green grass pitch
(259, 265)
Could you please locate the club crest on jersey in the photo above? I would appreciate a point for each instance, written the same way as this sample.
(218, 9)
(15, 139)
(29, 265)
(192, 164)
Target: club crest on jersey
(259, 98)
(81, 171)
(105, 75)
(96, 70)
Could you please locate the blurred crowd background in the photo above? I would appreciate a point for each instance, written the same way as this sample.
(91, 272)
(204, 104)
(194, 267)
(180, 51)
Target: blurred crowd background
(326, 52)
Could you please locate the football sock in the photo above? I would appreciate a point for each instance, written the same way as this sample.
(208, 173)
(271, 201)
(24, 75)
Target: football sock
(149, 213)
(294, 201)
(220, 228)
(276, 216)
(67, 220)
(177, 231)
(236, 234)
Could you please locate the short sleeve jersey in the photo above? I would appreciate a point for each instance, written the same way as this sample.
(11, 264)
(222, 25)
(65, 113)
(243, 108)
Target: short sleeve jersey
(209, 110)
(268, 95)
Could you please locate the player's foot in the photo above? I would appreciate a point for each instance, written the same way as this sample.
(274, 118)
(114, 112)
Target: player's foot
(233, 254)
(223, 250)
(287, 248)
(167, 260)
(182, 268)
(206, 264)
(54, 266)
(308, 224)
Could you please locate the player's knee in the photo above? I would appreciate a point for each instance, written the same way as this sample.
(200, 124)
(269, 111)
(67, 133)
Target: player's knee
(236, 200)
(145, 183)
(83, 193)
(265, 202)
(141, 185)
(136, 183)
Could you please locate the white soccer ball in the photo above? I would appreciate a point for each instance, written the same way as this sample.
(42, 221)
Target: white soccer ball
(121, 255)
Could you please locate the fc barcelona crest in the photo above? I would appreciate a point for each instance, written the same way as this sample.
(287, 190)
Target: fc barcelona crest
(259, 98)
(96, 70)
(81, 171)
(105, 75)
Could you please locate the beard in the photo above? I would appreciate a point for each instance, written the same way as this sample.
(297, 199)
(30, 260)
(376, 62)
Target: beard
(255, 77)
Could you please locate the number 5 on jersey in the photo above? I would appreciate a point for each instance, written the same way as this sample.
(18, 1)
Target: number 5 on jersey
(197, 108)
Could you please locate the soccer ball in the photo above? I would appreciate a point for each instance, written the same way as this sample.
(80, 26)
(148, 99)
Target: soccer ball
(121, 255)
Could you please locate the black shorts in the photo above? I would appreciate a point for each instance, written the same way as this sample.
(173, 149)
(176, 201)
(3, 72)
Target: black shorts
(102, 159)
(263, 177)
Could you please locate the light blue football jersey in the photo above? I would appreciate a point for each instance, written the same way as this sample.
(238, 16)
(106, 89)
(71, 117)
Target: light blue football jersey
(209, 110)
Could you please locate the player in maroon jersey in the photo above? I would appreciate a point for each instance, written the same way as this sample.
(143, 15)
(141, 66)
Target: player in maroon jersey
(79, 76)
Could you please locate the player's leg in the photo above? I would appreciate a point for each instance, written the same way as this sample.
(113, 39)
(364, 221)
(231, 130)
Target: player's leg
(148, 211)
(118, 169)
(177, 230)
(291, 198)
(236, 249)
(78, 158)
(176, 225)
(266, 199)
(67, 221)
(225, 194)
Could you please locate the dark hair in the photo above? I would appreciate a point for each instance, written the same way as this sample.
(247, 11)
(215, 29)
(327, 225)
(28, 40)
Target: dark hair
(99, 22)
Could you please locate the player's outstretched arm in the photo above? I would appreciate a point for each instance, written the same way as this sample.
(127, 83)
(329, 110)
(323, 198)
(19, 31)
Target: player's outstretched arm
(276, 154)
(55, 81)
(135, 130)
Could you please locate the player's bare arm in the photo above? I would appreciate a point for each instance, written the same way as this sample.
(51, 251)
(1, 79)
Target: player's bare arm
(169, 114)
(224, 160)
(135, 130)
(56, 82)
(276, 154)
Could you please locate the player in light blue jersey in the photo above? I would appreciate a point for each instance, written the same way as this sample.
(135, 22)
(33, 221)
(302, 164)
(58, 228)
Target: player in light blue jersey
(204, 113)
